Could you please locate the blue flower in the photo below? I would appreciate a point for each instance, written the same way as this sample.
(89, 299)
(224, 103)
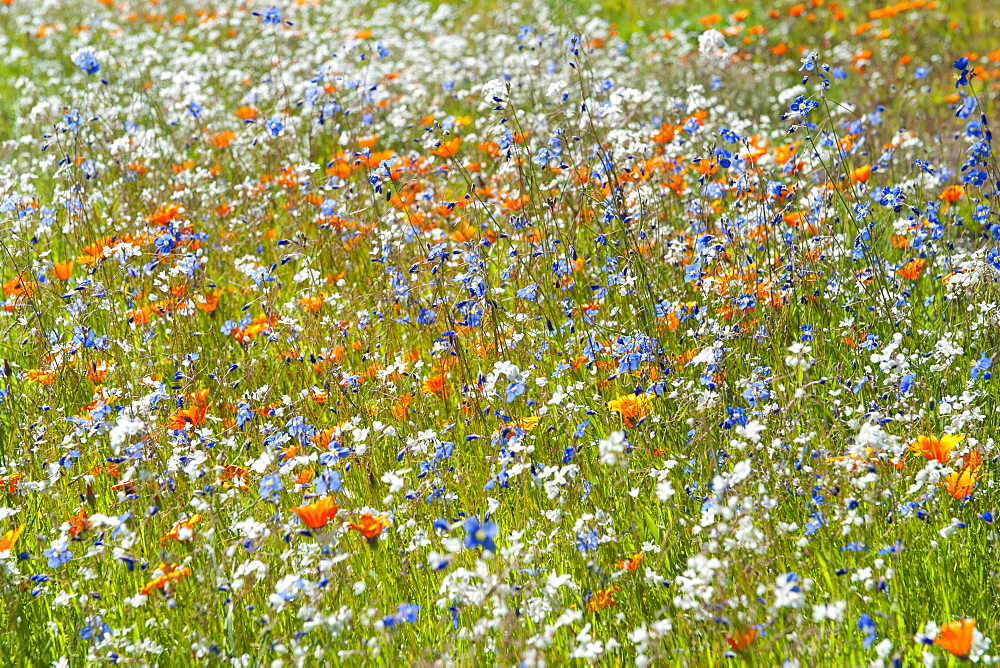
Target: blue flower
(274, 126)
(515, 390)
(270, 485)
(481, 534)
(406, 613)
(272, 16)
(982, 366)
(57, 555)
(867, 626)
(802, 106)
(96, 629)
(588, 541)
(962, 65)
(85, 60)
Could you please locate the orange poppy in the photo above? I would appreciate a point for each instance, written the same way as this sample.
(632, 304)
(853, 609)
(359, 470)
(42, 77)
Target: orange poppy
(193, 415)
(449, 148)
(64, 270)
(182, 531)
(248, 114)
(435, 385)
(956, 637)
(939, 449)
(164, 576)
(912, 269)
(603, 598)
(630, 564)
(861, 174)
(370, 526)
(318, 513)
(9, 539)
(631, 406)
(961, 484)
(953, 193)
(740, 640)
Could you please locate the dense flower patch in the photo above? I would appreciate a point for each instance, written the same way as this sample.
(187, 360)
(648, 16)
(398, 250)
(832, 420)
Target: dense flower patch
(338, 332)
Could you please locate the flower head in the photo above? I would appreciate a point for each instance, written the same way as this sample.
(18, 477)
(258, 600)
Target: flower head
(85, 60)
(318, 513)
(740, 640)
(631, 406)
(603, 598)
(956, 637)
(9, 539)
(164, 577)
(406, 612)
(370, 526)
(481, 534)
(182, 531)
(935, 448)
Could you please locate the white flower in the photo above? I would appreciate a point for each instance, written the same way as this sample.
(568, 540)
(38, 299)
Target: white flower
(832, 611)
(495, 91)
(612, 447)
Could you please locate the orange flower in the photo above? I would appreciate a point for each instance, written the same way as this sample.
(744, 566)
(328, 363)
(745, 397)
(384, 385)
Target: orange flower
(952, 193)
(601, 599)
(41, 377)
(525, 424)
(209, 302)
(932, 447)
(912, 269)
(233, 476)
(435, 385)
(64, 270)
(961, 484)
(17, 286)
(194, 415)
(97, 370)
(312, 304)
(78, 523)
(956, 637)
(631, 406)
(740, 640)
(164, 577)
(449, 148)
(182, 531)
(167, 213)
(318, 513)
(223, 139)
(861, 174)
(9, 539)
(94, 253)
(370, 526)
(248, 114)
(630, 564)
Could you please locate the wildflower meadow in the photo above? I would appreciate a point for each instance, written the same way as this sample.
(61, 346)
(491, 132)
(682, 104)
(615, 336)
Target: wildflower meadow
(424, 333)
